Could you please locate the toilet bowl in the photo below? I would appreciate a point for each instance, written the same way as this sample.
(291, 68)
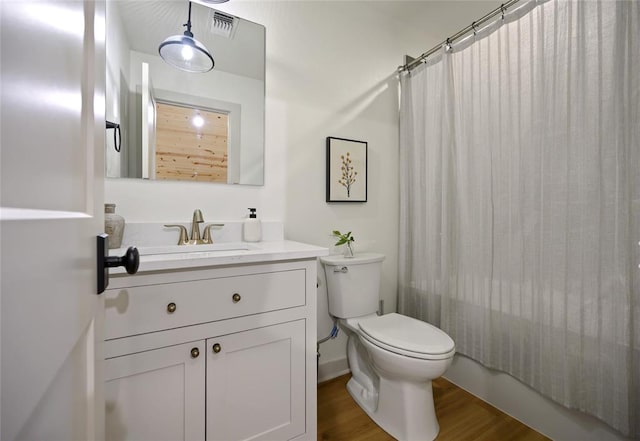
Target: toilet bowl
(393, 358)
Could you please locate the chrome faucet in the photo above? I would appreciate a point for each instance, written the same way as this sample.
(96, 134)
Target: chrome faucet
(195, 239)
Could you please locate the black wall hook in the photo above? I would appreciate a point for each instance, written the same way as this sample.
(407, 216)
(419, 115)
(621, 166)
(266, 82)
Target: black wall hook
(117, 136)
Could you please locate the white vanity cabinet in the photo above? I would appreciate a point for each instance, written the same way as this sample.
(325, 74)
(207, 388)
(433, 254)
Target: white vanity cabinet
(217, 353)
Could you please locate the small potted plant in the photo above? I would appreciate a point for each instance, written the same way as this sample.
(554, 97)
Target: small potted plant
(344, 239)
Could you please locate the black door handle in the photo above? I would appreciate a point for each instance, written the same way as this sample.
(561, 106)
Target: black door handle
(130, 261)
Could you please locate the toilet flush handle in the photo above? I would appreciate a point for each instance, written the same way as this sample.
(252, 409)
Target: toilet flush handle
(344, 269)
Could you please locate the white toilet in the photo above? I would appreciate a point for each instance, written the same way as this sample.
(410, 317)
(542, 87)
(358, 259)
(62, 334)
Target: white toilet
(392, 357)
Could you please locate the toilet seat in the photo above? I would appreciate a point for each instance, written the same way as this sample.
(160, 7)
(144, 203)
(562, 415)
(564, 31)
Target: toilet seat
(407, 336)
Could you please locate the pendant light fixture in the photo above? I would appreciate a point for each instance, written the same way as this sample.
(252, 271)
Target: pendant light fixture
(185, 52)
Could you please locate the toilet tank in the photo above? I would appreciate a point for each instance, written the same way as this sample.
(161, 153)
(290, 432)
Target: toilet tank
(353, 284)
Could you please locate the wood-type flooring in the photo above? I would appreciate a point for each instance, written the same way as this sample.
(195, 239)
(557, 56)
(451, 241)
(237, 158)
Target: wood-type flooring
(462, 417)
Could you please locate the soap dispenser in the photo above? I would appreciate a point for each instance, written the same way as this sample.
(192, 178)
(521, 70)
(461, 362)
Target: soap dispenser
(252, 227)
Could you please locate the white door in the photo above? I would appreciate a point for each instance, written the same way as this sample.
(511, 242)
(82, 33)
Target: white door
(52, 167)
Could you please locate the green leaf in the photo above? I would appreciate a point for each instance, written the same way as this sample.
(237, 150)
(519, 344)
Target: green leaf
(345, 238)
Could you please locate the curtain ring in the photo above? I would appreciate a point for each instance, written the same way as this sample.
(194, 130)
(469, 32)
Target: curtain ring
(474, 25)
(447, 45)
(503, 10)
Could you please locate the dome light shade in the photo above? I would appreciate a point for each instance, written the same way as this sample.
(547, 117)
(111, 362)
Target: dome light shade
(185, 52)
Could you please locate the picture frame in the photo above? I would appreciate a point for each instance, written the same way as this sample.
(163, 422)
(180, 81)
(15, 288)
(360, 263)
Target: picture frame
(346, 170)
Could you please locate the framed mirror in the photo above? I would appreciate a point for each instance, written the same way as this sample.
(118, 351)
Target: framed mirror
(171, 124)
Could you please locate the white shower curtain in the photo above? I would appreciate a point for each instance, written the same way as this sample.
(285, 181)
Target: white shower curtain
(520, 201)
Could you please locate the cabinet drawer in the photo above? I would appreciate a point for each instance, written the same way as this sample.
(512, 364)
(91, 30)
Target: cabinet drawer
(142, 309)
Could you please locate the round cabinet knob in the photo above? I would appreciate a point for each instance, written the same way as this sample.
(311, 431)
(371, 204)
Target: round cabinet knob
(195, 352)
(236, 298)
(171, 308)
(217, 348)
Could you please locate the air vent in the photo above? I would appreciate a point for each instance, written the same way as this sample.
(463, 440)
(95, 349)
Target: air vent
(223, 24)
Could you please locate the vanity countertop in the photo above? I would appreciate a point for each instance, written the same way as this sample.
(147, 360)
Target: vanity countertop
(231, 254)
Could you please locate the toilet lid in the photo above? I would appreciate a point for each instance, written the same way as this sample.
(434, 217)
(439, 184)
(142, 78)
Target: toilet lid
(408, 335)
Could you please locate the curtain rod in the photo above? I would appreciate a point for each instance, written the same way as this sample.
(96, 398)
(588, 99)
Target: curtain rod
(472, 27)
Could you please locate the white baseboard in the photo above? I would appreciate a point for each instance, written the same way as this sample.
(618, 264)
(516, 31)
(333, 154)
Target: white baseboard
(332, 369)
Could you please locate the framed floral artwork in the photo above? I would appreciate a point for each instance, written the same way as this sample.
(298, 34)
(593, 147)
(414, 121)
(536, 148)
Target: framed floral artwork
(346, 170)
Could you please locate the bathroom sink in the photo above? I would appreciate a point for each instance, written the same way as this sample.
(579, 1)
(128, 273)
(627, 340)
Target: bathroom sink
(175, 249)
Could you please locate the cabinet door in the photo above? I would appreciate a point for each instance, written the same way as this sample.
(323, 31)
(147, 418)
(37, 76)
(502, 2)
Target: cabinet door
(156, 395)
(256, 384)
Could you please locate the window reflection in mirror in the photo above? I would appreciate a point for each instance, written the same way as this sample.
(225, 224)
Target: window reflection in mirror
(191, 143)
(234, 88)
